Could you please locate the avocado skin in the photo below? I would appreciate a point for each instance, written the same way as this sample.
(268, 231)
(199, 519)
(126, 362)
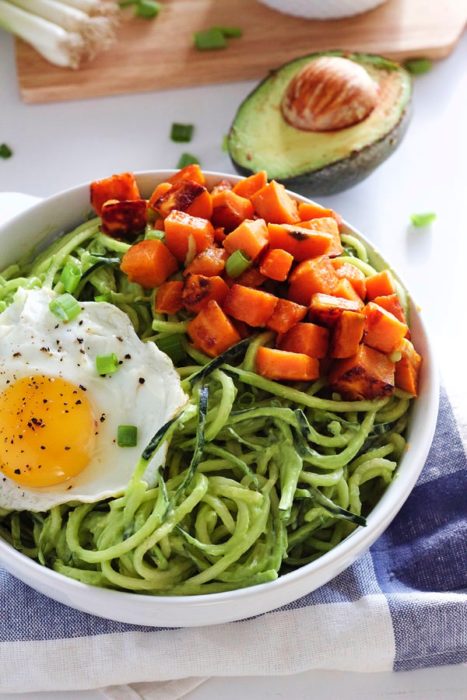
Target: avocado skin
(347, 172)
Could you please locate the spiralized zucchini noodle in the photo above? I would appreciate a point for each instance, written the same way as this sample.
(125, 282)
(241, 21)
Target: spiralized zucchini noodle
(260, 477)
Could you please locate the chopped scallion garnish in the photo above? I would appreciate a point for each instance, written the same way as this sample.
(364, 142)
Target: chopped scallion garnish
(127, 435)
(65, 307)
(106, 364)
(230, 32)
(147, 9)
(418, 66)
(237, 263)
(154, 234)
(103, 297)
(5, 151)
(181, 133)
(71, 275)
(187, 159)
(210, 39)
(421, 220)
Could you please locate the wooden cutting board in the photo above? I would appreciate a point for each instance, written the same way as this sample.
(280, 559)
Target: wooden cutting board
(159, 54)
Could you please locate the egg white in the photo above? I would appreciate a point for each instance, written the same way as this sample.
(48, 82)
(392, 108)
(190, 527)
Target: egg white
(34, 341)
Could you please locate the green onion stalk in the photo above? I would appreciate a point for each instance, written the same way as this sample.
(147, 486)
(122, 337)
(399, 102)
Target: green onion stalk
(64, 32)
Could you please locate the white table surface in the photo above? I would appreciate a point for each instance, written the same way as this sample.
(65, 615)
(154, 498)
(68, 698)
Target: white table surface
(60, 145)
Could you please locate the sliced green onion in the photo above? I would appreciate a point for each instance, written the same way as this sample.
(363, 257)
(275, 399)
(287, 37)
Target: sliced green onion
(173, 346)
(71, 275)
(395, 356)
(210, 39)
(237, 263)
(181, 133)
(153, 234)
(127, 435)
(187, 159)
(148, 9)
(106, 364)
(418, 66)
(230, 32)
(65, 307)
(5, 151)
(102, 297)
(421, 220)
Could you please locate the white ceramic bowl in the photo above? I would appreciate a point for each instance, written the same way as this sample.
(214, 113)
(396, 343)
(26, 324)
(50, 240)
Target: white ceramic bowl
(61, 213)
(322, 9)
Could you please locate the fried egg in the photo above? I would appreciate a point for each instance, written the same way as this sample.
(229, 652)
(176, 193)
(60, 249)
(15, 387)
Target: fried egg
(59, 418)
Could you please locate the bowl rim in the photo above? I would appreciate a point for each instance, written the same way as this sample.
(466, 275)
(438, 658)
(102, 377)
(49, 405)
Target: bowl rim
(360, 539)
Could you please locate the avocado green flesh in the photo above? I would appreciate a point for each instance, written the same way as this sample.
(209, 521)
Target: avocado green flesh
(261, 139)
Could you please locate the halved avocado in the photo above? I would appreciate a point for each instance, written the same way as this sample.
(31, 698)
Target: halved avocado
(319, 162)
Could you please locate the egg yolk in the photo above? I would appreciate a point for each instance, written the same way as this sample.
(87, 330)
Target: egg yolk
(47, 431)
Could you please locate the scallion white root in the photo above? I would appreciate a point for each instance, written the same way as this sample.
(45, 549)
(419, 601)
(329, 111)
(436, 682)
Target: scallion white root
(94, 8)
(65, 32)
(53, 42)
(97, 32)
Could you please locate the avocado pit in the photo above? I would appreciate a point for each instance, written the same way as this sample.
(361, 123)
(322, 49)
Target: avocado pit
(329, 93)
(321, 123)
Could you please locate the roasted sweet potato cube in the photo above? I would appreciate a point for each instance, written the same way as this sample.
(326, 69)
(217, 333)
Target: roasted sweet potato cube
(183, 230)
(326, 309)
(368, 374)
(229, 209)
(276, 264)
(198, 290)
(345, 289)
(120, 187)
(191, 172)
(180, 197)
(124, 219)
(383, 331)
(209, 262)
(161, 189)
(149, 263)
(212, 331)
(251, 237)
(408, 368)
(273, 204)
(250, 278)
(286, 366)
(250, 305)
(391, 303)
(299, 241)
(308, 338)
(350, 272)
(286, 315)
(328, 225)
(311, 210)
(221, 186)
(169, 297)
(347, 334)
(380, 284)
(250, 185)
(311, 277)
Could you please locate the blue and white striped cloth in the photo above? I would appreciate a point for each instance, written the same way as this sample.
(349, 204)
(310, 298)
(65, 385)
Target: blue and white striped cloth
(402, 606)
